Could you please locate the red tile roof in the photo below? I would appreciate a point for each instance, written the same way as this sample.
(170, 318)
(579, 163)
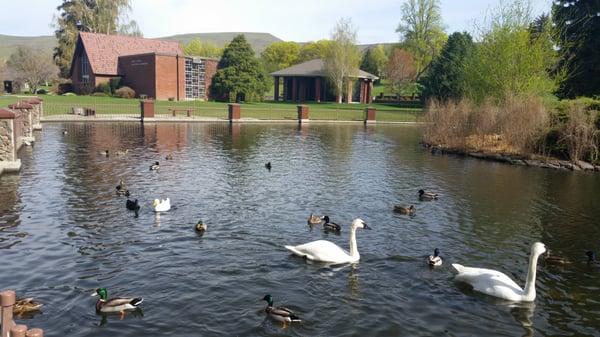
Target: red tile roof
(20, 105)
(103, 50)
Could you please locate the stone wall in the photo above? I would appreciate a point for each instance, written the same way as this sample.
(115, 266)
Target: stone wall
(7, 149)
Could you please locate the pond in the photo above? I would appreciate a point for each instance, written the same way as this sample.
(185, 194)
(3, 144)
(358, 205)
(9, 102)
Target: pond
(64, 232)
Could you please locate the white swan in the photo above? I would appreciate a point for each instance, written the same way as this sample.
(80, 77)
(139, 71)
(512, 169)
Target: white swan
(162, 206)
(497, 284)
(326, 251)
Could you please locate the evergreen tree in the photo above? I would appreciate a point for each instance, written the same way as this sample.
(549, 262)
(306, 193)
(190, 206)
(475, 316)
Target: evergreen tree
(445, 78)
(374, 60)
(577, 30)
(240, 75)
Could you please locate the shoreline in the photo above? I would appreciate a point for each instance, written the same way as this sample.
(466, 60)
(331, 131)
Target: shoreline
(515, 159)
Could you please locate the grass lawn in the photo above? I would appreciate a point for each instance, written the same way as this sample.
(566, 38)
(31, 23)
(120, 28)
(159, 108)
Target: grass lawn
(57, 105)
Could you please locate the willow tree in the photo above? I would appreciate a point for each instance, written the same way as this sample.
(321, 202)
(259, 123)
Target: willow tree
(97, 16)
(422, 31)
(196, 47)
(343, 57)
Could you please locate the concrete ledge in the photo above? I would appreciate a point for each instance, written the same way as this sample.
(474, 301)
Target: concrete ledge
(37, 126)
(10, 166)
(28, 139)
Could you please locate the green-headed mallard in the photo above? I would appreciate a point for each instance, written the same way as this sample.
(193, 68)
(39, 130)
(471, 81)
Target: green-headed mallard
(314, 219)
(410, 210)
(25, 305)
(330, 226)
(280, 314)
(200, 227)
(435, 259)
(155, 166)
(427, 196)
(592, 262)
(118, 304)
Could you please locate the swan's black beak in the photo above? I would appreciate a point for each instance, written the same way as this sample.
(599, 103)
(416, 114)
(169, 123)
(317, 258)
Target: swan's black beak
(365, 226)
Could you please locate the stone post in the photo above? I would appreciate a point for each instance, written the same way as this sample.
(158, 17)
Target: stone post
(8, 142)
(25, 110)
(370, 115)
(37, 112)
(7, 301)
(303, 111)
(147, 109)
(235, 112)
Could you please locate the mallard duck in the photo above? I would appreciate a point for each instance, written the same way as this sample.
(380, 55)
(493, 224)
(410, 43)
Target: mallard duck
(25, 305)
(154, 167)
(555, 259)
(65, 132)
(133, 206)
(161, 205)
(435, 259)
(268, 166)
(330, 226)
(121, 189)
(314, 219)
(494, 283)
(122, 153)
(327, 251)
(427, 196)
(280, 314)
(410, 210)
(169, 157)
(592, 262)
(118, 304)
(200, 227)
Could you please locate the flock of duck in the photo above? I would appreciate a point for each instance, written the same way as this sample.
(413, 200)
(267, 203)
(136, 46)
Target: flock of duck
(486, 281)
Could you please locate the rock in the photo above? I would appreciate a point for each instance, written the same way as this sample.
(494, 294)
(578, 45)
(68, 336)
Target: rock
(476, 155)
(576, 168)
(530, 162)
(517, 162)
(585, 165)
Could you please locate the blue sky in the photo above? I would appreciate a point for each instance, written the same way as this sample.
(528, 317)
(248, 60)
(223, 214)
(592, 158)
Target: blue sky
(294, 20)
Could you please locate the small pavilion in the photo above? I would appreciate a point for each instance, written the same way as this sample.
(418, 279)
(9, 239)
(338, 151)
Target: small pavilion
(308, 82)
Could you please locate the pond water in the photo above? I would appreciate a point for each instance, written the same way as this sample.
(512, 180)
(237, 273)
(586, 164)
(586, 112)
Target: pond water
(63, 233)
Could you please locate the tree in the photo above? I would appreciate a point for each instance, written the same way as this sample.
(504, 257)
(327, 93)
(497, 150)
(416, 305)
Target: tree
(374, 60)
(240, 75)
(314, 50)
(577, 28)
(280, 55)
(343, 58)
(31, 66)
(422, 31)
(445, 78)
(204, 49)
(97, 16)
(401, 72)
(508, 61)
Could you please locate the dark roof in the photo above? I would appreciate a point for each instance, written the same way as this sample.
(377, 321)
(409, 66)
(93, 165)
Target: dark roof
(103, 50)
(314, 68)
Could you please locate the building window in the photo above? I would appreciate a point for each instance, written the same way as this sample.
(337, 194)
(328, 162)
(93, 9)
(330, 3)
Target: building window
(195, 84)
(85, 68)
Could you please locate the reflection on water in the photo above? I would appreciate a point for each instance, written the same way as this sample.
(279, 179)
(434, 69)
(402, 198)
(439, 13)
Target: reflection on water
(63, 233)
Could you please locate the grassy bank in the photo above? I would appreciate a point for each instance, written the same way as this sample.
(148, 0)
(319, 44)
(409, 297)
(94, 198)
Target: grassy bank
(58, 105)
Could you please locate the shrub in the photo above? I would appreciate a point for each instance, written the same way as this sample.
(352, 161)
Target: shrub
(580, 134)
(114, 83)
(42, 91)
(125, 92)
(103, 88)
(62, 88)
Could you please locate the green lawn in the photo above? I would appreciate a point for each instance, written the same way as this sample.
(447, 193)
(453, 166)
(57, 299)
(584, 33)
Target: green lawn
(57, 105)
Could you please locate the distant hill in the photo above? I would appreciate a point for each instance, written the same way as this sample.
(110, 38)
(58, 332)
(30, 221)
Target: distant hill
(258, 41)
(9, 43)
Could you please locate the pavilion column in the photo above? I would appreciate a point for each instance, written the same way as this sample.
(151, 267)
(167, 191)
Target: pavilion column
(370, 92)
(294, 89)
(276, 96)
(317, 89)
(362, 92)
(349, 91)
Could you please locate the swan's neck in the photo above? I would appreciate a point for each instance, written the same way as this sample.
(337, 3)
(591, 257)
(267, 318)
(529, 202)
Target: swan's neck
(353, 246)
(531, 273)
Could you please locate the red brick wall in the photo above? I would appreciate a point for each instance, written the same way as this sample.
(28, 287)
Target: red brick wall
(170, 77)
(210, 69)
(139, 72)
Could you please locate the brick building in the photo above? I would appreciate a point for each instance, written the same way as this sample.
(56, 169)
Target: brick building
(154, 68)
